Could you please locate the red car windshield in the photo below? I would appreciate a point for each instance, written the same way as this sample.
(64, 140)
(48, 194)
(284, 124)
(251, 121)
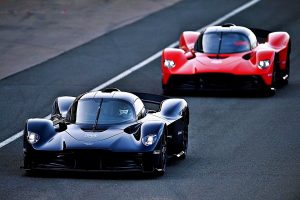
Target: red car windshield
(223, 43)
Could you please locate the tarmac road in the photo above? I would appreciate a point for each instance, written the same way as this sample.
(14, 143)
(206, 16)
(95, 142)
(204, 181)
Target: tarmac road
(34, 31)
(241, 146)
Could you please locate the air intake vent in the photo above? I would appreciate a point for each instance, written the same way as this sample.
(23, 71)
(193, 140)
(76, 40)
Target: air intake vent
(108, 90)
(228, 25)
(217, 56)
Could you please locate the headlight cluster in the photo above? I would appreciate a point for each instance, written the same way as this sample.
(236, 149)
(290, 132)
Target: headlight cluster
(32, 137)
(149, 139)
(169, 64)
(263, 64)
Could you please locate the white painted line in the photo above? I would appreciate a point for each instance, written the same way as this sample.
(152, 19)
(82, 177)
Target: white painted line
(11, 139)
(16, 136)
(132, 69)
(232, 13)
(145, 62)
(158, 54)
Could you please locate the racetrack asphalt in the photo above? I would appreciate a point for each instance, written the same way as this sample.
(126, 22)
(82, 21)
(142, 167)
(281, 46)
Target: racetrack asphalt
(34, 31)
(241, 146)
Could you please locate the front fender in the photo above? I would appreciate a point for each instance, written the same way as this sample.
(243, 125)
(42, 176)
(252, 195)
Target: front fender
(176, 55)
(268, 72)
(152, 128)
(265, 55)
(43, 127)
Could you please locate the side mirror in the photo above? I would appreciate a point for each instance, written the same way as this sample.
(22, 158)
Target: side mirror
(56, 117)
(190, 55)
(61, 106)
(60, 125)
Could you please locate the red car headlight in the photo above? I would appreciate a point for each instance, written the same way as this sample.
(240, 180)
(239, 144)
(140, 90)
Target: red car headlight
(263, 64)
(169, 64)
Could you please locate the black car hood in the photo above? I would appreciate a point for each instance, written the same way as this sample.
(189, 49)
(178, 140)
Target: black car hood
(85, 134)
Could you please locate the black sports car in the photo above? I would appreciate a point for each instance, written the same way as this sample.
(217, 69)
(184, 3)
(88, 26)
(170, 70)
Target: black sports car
(108, 130)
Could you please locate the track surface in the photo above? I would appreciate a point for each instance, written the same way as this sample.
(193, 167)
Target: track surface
(241, 147)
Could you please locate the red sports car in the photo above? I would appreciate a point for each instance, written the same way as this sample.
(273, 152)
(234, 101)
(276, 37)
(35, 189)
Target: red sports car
(227, 57)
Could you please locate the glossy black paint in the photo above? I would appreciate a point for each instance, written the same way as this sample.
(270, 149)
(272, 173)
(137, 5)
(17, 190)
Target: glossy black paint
(61, 149)
(61, 105)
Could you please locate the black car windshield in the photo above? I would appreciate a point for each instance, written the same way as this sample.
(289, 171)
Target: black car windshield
(224, 42)
(104, 111)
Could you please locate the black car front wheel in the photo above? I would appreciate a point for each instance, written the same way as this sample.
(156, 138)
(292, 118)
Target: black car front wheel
(184, 145)
(163, 157)
(27, 162)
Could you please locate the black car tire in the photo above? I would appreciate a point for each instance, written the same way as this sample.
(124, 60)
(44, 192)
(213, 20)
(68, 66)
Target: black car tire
(184, 143)
(286, 72)
(163, 157)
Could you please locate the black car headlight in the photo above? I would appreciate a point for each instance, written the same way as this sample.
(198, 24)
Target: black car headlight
(32, 137)
(149, 139)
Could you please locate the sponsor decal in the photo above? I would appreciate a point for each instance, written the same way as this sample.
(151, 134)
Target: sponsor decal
(90, 135)
(216, 61)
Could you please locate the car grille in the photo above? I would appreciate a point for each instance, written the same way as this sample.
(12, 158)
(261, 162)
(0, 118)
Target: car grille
(215, 81)
(88, 160)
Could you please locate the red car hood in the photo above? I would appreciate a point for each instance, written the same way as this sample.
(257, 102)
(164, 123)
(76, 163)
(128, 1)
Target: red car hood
(204, 63)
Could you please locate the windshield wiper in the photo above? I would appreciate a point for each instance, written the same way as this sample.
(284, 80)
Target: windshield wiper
(221, 36)
(97, 116)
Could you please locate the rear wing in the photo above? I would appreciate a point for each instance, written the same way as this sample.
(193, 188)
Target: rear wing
(261, 34)
(151, 101)
(171, 108)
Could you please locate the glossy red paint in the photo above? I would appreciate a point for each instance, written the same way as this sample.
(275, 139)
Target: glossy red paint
(189, 62)
(187, 40)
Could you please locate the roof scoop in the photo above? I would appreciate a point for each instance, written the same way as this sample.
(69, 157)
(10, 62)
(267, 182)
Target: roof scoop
(228, 25)
(109, 90)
